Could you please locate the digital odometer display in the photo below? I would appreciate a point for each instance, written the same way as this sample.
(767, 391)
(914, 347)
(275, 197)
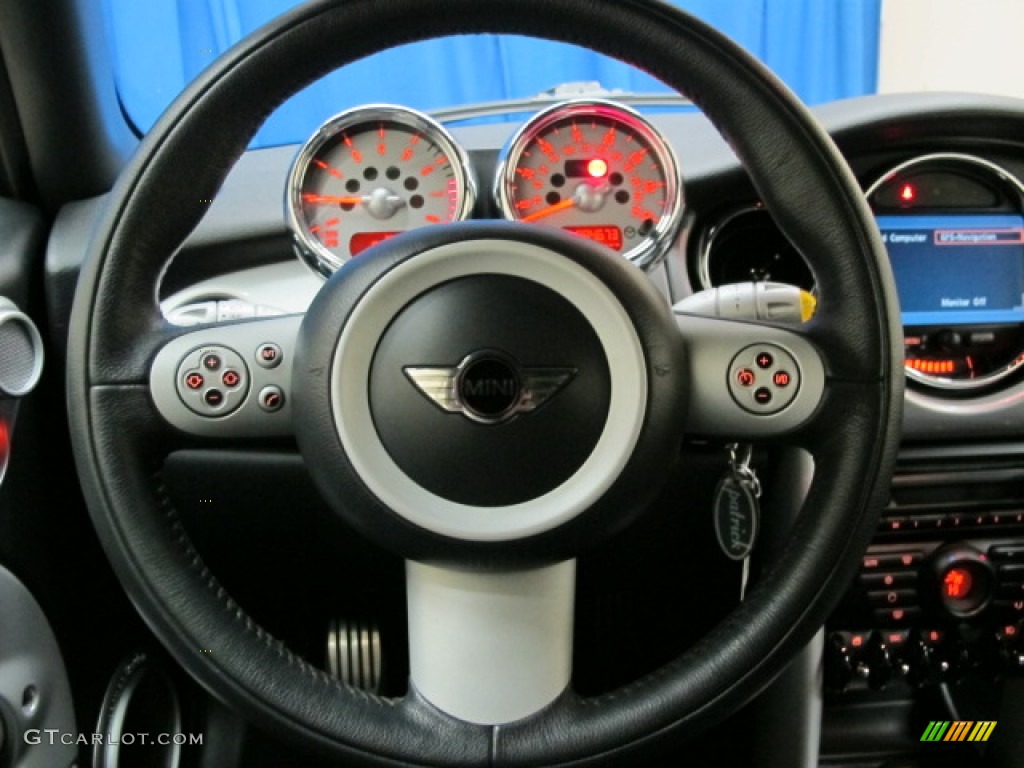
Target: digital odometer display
(957, 269)
(610, 236)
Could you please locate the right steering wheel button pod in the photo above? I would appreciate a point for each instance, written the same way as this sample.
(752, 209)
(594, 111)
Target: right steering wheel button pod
(764, 379)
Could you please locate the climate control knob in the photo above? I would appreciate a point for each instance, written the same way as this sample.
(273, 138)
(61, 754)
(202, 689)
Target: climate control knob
(965, 580)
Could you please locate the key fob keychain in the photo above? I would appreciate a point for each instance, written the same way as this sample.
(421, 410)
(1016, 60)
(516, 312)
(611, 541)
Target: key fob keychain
(737, 511)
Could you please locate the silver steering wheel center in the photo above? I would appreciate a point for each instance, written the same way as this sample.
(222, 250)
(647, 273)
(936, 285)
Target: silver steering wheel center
(481, 407)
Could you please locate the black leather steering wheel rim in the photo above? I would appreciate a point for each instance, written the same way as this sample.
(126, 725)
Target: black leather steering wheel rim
(118, 439)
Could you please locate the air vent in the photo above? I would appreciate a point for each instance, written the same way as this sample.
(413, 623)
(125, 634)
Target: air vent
(747, 245)
(21, 352)
(952, 499)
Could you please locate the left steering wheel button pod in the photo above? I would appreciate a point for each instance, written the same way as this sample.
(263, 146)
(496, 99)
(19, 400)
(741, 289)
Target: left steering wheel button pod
(213, 395)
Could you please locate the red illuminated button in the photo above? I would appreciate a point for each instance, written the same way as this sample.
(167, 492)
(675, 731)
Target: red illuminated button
(271, 399)
(896, 638)
(782, 379)
(883, 581)
(957, 583)
(964, 579)
(194, 381)
(764, 360)
(745, 377)
(762, 396)
(213, 398)
(211, 362)
(268, 355)
(932, 636)
(897, 615)
(231, 378)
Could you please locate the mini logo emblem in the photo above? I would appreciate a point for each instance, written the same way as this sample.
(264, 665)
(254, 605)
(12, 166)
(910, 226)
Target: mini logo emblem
(488, 387)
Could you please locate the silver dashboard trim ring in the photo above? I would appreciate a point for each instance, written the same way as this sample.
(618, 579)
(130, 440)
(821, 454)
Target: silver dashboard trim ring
(657, 243)
(1004, 177)
(311, 251)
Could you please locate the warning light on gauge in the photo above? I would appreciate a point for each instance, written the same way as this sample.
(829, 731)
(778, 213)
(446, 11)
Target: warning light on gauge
(597, 168)
(594, 168)
(908, 193)
(957, 583)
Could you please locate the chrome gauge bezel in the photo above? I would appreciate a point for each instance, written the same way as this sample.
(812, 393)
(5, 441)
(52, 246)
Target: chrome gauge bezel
(657, 243)
(310, 250)
(999, 176)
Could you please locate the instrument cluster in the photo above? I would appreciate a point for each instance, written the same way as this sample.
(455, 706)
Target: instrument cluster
(591, 167)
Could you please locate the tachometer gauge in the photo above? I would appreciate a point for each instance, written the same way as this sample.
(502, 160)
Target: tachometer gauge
(596, 169)
(371, 173)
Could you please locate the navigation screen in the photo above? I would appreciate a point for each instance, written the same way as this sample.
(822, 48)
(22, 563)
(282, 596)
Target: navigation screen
(954, 270)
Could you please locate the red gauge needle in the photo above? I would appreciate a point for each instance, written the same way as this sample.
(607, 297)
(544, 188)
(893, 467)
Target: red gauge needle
(356, 200)
(567, 203)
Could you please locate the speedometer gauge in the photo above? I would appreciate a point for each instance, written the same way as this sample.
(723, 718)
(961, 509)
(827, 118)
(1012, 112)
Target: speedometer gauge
(371, 173)
(596, 169)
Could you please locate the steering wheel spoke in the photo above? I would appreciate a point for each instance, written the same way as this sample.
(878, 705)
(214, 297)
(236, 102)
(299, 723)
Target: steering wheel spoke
(748, 380)
(228, 380)
(490, 647)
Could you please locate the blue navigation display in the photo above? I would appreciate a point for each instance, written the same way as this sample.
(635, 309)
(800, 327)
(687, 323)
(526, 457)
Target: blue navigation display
(958, 269)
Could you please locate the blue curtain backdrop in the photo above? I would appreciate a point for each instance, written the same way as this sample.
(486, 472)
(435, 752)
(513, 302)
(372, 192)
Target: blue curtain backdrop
(823, 49)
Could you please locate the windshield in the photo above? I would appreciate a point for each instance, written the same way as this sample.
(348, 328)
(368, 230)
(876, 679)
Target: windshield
(823, 50)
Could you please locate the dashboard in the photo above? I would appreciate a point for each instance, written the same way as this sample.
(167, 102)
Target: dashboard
(953, 228)
(951, 213)
(952, 222)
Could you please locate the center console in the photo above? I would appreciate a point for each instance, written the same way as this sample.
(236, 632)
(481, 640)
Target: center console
(940, 593)
(932, 628)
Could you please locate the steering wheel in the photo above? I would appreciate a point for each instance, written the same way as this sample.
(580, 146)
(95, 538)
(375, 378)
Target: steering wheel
(487, 508)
